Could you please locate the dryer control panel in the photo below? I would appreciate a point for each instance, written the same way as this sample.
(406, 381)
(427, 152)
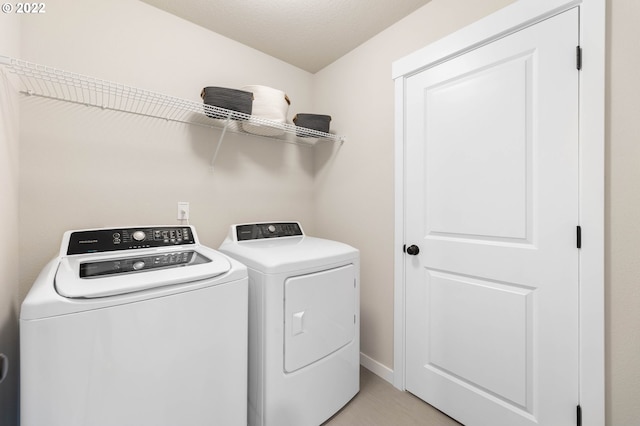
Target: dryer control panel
(101, 240)
(257, 231)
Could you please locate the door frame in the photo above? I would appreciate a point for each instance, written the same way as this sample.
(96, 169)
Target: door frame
(518, 15)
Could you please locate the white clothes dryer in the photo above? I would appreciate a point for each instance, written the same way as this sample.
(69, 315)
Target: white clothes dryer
(135, 326)
(304, 322)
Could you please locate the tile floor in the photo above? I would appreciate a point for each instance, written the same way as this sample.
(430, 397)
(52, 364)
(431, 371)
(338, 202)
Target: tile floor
(380, 404)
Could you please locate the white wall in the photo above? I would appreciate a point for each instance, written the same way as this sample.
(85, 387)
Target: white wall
(622, 215)
(9, 288)
(354, 187)
(86, 167)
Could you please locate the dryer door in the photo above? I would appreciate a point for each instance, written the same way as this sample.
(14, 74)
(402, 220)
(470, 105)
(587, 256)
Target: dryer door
(320, 313)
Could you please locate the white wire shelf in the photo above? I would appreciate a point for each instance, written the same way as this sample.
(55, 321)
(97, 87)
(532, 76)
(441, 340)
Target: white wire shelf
(52, 83)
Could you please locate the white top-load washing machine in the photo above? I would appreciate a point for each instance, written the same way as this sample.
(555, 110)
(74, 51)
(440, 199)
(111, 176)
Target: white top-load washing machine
(304, 322)
(135, 326)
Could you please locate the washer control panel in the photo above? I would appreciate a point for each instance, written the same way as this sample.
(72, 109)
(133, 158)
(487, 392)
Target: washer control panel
(127, 265)
(258, 231)
(101, 240)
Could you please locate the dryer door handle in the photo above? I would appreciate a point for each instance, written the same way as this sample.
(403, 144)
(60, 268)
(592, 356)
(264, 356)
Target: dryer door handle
(297, 324)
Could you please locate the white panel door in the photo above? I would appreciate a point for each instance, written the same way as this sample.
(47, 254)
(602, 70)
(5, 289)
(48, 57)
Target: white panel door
(492, 206)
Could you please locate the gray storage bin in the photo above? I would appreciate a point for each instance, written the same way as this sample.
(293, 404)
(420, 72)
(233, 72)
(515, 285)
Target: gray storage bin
(231, 99)
(312, 121)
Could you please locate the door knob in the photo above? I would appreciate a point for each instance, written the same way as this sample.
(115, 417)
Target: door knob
(413, 250)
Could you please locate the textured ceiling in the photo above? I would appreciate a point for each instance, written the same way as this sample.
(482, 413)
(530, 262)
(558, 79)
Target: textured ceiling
(309, 34)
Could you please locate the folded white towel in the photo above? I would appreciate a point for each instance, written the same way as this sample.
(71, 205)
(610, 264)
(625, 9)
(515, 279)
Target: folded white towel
(269, 104)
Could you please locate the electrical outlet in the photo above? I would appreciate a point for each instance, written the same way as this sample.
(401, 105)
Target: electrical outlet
(183, 210)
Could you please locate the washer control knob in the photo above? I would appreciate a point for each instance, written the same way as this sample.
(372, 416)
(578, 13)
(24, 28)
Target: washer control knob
(271, 228)
(139, 235)
(138, 265)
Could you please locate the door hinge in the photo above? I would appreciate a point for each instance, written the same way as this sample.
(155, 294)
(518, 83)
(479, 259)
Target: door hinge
(578, 58)
(579, 415)
(578, 236)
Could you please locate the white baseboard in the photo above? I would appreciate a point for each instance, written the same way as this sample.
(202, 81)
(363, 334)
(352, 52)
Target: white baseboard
(376, 368)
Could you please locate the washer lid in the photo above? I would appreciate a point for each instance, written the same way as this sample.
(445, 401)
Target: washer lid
(101, 275)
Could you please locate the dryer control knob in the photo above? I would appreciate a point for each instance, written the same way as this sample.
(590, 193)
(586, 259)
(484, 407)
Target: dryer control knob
(271, 228)
(139, 235)
(138, 265)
